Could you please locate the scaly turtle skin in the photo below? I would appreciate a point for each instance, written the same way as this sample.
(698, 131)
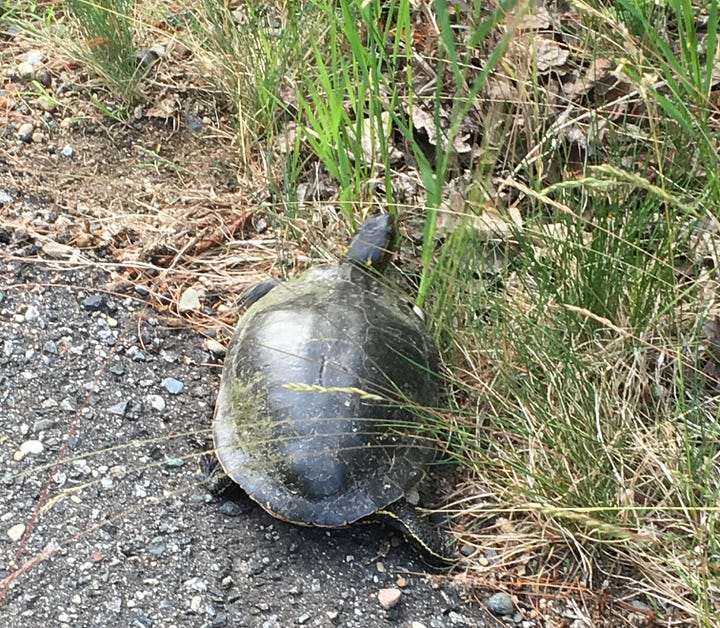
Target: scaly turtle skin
(317, 415)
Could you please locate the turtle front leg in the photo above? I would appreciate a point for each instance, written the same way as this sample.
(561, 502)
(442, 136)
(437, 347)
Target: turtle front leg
(257, 292)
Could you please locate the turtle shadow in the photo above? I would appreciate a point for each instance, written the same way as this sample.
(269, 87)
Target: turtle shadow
(368, 542)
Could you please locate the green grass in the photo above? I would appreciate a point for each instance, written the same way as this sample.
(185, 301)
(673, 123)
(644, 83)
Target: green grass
(251, 59)
(587, 363)
(105, 36)
(568, 294)
(110, 46)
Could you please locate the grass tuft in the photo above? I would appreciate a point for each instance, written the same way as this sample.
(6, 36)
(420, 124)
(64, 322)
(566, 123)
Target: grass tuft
(109, 47)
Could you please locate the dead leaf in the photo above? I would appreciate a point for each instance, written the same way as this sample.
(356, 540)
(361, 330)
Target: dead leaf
(491, 224)
(56, 250)
(536, 21)
(165, 108)
(505, 525)
(599, 75)
(425, 121)
(190, 299)
(370, 142)
(549, 54)
(498, 89)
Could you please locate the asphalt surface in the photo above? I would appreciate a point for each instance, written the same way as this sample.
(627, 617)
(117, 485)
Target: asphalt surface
(105, 410)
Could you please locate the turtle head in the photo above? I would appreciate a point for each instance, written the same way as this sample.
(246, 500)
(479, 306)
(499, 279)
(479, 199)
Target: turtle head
(374, 243)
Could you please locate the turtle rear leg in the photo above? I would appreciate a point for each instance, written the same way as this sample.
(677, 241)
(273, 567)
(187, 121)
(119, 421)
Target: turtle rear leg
(437, 545)
(213, 476)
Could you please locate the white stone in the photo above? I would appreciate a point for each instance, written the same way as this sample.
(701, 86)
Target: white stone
(389, 598)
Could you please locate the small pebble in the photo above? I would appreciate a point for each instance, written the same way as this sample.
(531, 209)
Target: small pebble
(219, 620)
(196, 584)
(94, 302)
(44, 78)
(82, 466)
(147, 58)
(67, 151)
(68, 405)
(50, 347)
(25, 71)
(31, 447)
(15, 532)
(172, 385)
(46, 104)
(31, 313)
(25, 131)
(214, 347)
(231, 509)
(156, 402)
(194, 123)
(641, 605)
(389, 598)
(43, 424)
(190, 300)
(34, 57)
(119, 408)
(116, 369)
(157, 546)
(500, 604)
(136, 354)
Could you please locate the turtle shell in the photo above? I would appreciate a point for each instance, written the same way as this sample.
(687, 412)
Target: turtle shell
(317, 414)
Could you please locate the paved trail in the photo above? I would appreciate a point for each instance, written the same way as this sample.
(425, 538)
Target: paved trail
(104, 412)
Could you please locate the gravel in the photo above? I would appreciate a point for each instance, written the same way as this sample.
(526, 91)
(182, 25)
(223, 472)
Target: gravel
(104, 521)
(500, 604)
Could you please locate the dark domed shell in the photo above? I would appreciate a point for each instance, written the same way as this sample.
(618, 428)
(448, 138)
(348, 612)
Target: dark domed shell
(315, 417)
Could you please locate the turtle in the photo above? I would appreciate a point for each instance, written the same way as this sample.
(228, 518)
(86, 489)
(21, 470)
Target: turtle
(319, 412)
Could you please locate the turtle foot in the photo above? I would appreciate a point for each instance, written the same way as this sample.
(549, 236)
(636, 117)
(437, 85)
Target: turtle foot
(212, 475)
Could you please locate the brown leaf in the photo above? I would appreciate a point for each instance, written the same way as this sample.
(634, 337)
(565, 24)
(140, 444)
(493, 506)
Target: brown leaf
(165, 108)
(598, 73)
(549, 54)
